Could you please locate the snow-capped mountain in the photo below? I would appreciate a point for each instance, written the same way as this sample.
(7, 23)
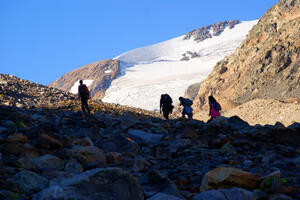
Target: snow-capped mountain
(171, 66)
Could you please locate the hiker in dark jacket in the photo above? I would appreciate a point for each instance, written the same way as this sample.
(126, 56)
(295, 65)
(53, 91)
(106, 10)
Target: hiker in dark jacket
(165, 105)
(187, 109)
(84, 95)
(214, 108)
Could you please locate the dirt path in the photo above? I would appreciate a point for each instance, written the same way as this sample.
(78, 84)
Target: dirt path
(262, 111)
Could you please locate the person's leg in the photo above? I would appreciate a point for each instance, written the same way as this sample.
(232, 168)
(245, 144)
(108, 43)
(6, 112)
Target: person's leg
(166, 114)
(87, 107)
(83, 106)
(183, 113)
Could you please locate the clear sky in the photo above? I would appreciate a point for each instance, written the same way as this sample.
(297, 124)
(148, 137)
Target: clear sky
(40, 40)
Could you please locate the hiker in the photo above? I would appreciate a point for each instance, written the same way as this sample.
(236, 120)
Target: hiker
(214, 108)
(187, 109)
(84, 95)
(165, 105)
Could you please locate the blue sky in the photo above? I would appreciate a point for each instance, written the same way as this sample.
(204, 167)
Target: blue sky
(43, 39)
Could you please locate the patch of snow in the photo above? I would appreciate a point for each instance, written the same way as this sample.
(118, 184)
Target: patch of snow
(148, 72)
(74, 88)
(107, 71)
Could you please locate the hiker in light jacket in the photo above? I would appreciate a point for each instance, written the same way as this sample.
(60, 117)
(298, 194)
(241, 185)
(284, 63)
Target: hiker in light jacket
(187, 109)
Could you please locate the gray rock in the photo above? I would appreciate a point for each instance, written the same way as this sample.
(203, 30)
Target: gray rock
(280, 197)
(121, 144)
(144, 137)
(89, 156)
(295, 126)
(100, 183)
(161, 183)
(2, 129)
(28, 181)
(48, 162)
(225, 194)
(229, 149)
(73, 166)
(164, 196)
(7, 195)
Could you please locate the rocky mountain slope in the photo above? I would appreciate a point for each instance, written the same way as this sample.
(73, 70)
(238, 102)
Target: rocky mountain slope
(101, 73)
(130, 154)
(22, 93)
(266, 65)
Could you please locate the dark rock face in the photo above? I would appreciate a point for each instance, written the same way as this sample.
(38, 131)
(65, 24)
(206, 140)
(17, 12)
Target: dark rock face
(266, 65)
(102, 72)
(203, 33)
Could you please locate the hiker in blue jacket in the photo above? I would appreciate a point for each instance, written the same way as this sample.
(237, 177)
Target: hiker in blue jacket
(187, 109)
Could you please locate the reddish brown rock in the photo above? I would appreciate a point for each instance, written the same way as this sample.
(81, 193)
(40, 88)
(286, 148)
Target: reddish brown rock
(89, 155)
(48, 142)
(15, 148)
(189, 132)
(17, 137)
(114, 157)
(229, 177)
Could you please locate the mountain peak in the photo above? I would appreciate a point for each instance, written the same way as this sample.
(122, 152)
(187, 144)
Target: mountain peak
(206, 32)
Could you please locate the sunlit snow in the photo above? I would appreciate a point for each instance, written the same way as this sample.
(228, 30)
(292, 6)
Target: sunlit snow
(74, 88)
(148, 72)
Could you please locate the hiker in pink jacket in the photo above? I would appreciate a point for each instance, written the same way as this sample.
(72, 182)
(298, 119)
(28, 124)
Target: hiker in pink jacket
(214, 108)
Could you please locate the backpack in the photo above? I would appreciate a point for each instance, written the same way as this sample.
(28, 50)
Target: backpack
(187, 102)
(84, 91)
(217, 106)
(167, 99)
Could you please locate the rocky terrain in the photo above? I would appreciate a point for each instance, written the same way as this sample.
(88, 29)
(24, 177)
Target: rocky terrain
(205, 32)
(101, 72)
(266, 65)
(126, 153)
(22, 93)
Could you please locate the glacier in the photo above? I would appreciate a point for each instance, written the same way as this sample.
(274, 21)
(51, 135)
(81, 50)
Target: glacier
(150, 71)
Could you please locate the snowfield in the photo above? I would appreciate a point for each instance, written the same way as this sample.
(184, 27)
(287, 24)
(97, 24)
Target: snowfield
(74, 88)
(150, 71)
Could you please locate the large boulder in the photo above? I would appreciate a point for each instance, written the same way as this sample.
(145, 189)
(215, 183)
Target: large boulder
(142, 137)
(89, 156)
(164, 196)
(28, 181)
(48, 142)
(159, 182)
(7, 195)
(48, 162)
(17, 137)
(100, 184)
(225, 194)
(121, 144)
(229, 177)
